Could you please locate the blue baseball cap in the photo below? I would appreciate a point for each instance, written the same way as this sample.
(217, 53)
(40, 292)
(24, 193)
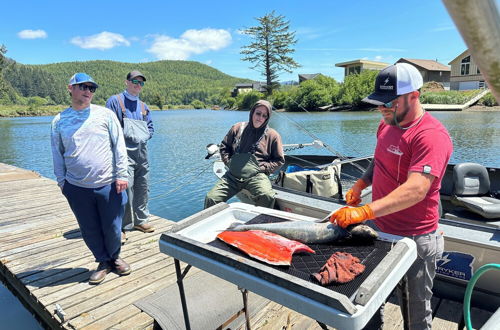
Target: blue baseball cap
(80, 78)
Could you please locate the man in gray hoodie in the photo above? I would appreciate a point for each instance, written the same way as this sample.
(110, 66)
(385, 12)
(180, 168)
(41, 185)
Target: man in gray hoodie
(251, 151)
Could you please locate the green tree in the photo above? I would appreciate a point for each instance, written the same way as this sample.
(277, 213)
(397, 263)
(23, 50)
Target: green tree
(158, 100)
(270, 48)
(279, 99)
(197, 104)
(356, 87)
(3, 50)
(312, 94)
(36, 102)
(3, 85)
(246, 101)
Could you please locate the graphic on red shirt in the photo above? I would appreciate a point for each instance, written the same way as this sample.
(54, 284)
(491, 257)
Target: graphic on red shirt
(425, 148)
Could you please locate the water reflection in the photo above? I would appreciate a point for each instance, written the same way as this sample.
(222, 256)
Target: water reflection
(476, 136)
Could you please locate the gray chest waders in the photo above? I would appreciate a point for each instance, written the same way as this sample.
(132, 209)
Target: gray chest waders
(136, 135)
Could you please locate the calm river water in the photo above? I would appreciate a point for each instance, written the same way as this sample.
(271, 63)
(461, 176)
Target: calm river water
(180, 176)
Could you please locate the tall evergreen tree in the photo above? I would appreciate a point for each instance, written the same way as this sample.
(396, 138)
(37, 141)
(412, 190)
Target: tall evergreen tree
(270, 48)
(3, 85)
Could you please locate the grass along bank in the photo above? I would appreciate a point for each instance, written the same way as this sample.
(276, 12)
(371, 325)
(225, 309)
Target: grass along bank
(16, 110)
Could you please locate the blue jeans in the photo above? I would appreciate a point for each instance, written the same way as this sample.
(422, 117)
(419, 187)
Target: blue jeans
(99, 212)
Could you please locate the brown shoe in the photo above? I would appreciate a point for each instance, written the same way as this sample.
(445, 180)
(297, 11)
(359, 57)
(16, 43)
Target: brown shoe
(100, 273)
(145, 228)
(124, 238)
(121, 267)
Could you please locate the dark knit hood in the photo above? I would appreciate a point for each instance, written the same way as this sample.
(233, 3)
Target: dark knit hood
(251, 134)
(269, 108)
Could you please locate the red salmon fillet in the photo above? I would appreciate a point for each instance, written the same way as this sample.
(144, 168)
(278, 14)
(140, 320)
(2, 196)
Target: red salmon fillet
(264, 246)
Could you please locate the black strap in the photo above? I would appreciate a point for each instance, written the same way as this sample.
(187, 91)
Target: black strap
(339, 184)
(309, 184)
(280, 180)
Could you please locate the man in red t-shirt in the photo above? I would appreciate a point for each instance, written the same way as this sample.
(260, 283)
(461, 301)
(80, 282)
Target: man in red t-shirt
(413, 149)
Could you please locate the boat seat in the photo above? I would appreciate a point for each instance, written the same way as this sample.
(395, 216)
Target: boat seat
(472, 190)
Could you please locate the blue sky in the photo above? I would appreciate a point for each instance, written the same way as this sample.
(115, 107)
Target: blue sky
(328, 32)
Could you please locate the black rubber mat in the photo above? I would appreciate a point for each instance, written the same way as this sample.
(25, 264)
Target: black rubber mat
(304, 264)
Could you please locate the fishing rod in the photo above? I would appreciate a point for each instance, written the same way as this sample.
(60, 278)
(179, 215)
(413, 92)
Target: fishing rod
(204, 169)
(317, 142)
(312, 135)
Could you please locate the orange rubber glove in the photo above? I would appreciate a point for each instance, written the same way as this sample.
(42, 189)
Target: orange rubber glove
(346, 216)
(353, 195)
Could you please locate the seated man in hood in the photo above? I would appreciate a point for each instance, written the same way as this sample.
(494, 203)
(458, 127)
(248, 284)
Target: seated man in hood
(251, 151)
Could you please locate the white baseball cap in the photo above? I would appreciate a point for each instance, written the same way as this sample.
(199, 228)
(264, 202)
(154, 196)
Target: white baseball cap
(393, 81)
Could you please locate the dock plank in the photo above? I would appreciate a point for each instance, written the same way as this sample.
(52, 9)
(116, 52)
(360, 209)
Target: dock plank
(44, 260)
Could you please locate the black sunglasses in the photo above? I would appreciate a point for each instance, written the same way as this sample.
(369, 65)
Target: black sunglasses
(137, 82)
(84, 87)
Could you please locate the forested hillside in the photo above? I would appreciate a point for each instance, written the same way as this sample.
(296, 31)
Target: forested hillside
(171, 82)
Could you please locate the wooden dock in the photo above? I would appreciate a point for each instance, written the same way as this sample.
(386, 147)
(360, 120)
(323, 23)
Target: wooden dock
(456, 107)
(45, 263)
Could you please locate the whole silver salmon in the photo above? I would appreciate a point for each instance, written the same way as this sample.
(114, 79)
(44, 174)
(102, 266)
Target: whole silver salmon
(311, 232)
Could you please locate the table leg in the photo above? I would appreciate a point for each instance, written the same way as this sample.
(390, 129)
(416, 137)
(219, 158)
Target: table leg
(180, 277)
(244, 292)
(322, 325)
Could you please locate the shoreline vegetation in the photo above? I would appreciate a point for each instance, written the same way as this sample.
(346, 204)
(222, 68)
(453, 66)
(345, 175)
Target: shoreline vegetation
(16, 110)
(35, 90)
(7, 111)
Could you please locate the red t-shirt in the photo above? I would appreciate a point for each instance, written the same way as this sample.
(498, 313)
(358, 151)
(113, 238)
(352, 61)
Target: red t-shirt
(424, 148)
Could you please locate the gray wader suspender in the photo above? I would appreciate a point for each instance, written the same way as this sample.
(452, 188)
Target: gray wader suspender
(122, 106)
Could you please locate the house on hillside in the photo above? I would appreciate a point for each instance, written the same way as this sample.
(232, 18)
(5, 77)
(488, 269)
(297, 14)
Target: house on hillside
(248, 87)
(465, 73)
(431, 70)
(356, 66)
(304, 77)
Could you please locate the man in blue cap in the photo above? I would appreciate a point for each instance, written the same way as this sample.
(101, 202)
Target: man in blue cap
(90, 165)
(135, 118)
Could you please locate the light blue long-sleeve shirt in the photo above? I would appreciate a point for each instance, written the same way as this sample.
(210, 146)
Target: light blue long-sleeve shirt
(88, 148)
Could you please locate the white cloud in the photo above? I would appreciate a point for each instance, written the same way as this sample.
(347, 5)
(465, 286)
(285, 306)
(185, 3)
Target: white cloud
(355, 49)
(190, 43)
(102, 41)
(308, 33)
(381, 49)
(32, 34)
(443, 28)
